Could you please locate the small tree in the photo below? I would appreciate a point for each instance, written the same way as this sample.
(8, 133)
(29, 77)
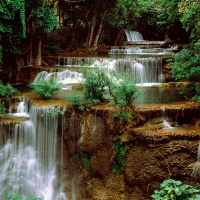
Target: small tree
(95, 82)
(123, 89)
(45, 21)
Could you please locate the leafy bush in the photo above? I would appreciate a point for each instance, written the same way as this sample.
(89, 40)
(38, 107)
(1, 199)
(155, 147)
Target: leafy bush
(12, 195)
(121, 88)
(80, 101)
(7, 91)
(95, 82)
(76, 98)
(125, 91)
(45, 88)
(2, 109)
(120, 150)
(175, 190)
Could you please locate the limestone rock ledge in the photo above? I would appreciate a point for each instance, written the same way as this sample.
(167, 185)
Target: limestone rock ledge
(153, 154)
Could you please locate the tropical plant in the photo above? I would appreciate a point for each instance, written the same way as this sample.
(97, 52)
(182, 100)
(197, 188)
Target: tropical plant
(175, 190)
(76, 98)
(7, 91)
(123, 89)
(11, 22)
(120, 158)
(95, 82)
(45, 21)
(12, 195)
(45, 88)
(185, 65)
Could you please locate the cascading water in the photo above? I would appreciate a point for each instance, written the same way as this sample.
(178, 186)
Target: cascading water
(28, 156)
(166, 124)
(64, 77)
(140, 47)
(146, 70)
(133, 35)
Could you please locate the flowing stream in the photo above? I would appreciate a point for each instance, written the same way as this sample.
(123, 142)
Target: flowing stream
(28, 155)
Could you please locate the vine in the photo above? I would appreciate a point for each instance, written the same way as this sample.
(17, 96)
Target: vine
(20, 5)
(120, 158)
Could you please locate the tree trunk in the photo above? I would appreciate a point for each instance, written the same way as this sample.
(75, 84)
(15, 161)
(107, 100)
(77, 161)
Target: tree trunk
(92, 27)
(38, 61)
(99, 30)
(88, 30)
(74, 19)
(118, 35)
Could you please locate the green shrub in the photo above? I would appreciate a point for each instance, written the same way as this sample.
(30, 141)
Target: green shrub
(120, 158)
(122, 88)
(7, 91)
(125, 91)
(186, 67)
(12, 195)
(2, 109)
(45, 88)
(95, 82)
(175, 190)
(76, 98)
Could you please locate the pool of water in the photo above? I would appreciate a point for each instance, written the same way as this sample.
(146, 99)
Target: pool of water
(147, 95)
(158, 95)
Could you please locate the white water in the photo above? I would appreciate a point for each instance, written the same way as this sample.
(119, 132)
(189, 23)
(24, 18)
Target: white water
(139, 51)
(166, 124)
(133, 35)
(146, 70)
(64, 77)
(28, 156)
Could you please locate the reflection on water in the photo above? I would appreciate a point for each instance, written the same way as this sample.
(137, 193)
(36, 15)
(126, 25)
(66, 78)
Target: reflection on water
(157, 95)
(148, 95)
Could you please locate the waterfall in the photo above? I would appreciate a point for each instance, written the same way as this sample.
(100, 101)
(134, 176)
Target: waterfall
(23, 106)
(82, 130)
(28, 156)
(133, 35)
(64, 77)
(146, 70)
(95, 122)
(166, 124)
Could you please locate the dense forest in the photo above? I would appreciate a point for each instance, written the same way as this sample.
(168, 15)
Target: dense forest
(32, 28)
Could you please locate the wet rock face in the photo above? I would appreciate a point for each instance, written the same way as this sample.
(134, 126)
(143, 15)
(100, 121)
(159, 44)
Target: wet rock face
(153, 154)
(148, 166)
